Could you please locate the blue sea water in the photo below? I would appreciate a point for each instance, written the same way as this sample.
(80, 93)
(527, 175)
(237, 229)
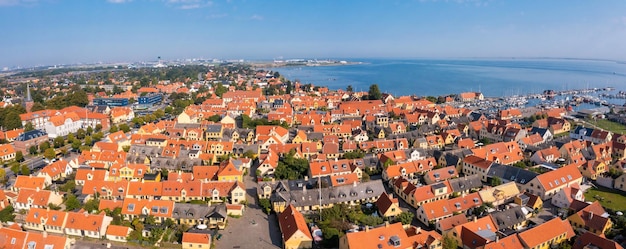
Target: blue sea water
(493, 77)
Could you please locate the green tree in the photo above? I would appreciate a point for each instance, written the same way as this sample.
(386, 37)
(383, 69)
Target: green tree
(49, 153)
(37, 107)
(374, 92)
(19, 156)
(249, 154)
(220, 90)
(496, 181)
(98, 127)
(80, 133)
(7, 214)
(113, 129)
(89, 130)
(265, 204)
(92, 205)
(15, 167)
(405, 218)
(76, 144)
(126, 148)
(449, 242)
(88, 141)
(28, 127)
(24, 170)
(159, 113)
(215, 118)
(169, 110)
(70, 138)
(59, 142)
(124, 127)
(137, 121)
(12, 121)
(44, 146)
(349, 88)
(71, 202)
(32, 150)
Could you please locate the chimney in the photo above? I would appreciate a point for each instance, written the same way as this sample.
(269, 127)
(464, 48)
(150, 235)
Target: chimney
(590, 215)
(390, 195)
(367, 228)
(354, 184)
(497, 238)
(386, 223)
(306, 178)
(475, 219)
(44, 234)
(418, 230)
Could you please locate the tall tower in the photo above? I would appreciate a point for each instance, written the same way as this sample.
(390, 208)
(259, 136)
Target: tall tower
(28, 98)
(28, 102)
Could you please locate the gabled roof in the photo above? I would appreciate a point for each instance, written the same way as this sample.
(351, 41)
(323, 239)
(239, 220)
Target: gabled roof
(380, 237)
(84, 221)
(196, 238)
(509, 242)
(292, 221)
(30, 182)
(591, 240)
(559, 177)
(453, 221)
(385, 202)
(546, 231)
(115, 230)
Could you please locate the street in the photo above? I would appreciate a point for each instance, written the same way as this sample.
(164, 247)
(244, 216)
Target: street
(254, 229)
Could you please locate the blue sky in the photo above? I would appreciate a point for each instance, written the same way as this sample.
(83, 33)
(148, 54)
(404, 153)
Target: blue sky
(36, 32)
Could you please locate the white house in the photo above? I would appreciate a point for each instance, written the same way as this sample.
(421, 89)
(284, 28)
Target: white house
(567, 195)
(62, 125)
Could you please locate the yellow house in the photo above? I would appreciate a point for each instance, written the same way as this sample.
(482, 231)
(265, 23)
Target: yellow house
(592, 218)
(529, 200)
(388, 206)
(196, 240)
(300, 137)
(296, 233)
(214, 131)
(547, 234)
(228, 172)
(379, 132)
(592, 168)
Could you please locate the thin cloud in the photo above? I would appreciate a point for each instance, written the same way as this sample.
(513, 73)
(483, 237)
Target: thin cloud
(188, 4)
(118, 1)
(4, 3)
(256, 17)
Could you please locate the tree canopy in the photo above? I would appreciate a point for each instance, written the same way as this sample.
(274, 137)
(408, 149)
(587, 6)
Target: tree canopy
(291, 168)
(374, 92)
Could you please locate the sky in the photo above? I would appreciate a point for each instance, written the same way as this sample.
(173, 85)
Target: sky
(47, 32)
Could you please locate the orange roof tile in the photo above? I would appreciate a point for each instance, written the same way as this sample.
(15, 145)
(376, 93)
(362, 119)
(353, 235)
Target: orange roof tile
(546, 231)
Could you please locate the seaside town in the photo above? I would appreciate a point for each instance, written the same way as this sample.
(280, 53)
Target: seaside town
(228, 155)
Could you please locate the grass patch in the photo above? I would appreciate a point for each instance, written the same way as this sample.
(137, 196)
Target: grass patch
(608, 198)
(609, 125)
(562, 134)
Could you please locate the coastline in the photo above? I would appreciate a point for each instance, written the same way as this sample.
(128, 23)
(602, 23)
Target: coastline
(266, 65)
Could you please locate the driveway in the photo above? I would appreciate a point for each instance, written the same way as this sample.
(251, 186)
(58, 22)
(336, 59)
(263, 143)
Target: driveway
(254, 229)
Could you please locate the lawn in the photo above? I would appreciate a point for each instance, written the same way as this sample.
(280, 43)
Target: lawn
(608, 198)
(609, 125)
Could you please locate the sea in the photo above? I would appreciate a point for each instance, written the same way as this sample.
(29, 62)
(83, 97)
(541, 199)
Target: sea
(493, 77)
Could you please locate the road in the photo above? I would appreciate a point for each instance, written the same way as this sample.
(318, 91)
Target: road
(261, 230)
